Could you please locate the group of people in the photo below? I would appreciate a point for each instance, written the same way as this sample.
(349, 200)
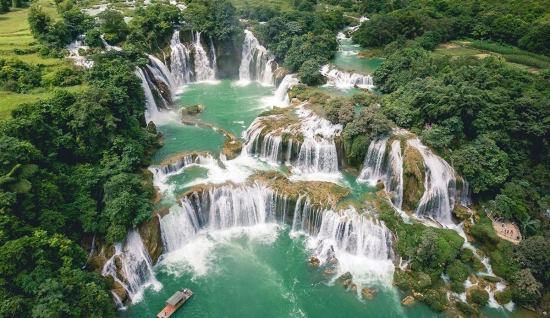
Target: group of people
(504, 229)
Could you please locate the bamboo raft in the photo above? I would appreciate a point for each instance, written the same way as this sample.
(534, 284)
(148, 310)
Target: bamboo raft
(175, 302)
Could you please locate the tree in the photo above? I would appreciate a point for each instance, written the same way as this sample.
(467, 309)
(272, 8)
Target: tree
(482, 163)
(39, 21)
(310, 72)
(527, 290)
(534, 253)
(111, 23)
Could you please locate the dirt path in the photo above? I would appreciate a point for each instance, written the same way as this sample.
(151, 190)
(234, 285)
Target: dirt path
(506, 229)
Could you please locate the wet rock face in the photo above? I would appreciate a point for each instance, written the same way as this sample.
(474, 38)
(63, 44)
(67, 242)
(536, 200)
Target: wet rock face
(408, 301)
(314, 261)
(151, 237)
(369, 293)
(232, 148)
(119, 290)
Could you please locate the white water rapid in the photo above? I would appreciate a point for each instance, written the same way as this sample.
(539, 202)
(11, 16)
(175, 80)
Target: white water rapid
(346, 80)
(180, 61)
(204, 68)
(162, 73)
(281, 95)
(438, 199)
(151, 110)
(255, 63)
(135, 266)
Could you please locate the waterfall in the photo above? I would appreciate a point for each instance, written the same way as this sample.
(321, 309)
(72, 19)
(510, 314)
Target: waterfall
(255, 54)
(318, 151)
(222, 208)
(118, 302)
(394, 183)
(354, 233)
(465, 198)
(162, 73)
(346, 80)
(373, 167)
(136, 267)
(437, 202)
(281, 95)
(203, 68)
(179, 60)
(151, 110)
(213, 56)
(183, 162)
(107, 46)
(377, 167)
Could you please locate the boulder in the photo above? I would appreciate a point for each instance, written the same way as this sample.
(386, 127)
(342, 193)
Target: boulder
(353, 287)
(344, 277)
(232, 148)
(408, 301)
(192, 110)
(368, 293)
(314, 261)
(418, 295)
(347, 282)
(473, 279)
(119, 290)
(328, 272)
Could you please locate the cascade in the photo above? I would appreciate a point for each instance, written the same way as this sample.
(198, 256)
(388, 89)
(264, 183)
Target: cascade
(203, 68)
(151, 110)
(73, 48)
(183, 162)
(353, 233)
(165, 103)
(318, 151)
(281, 95)
(136, 267)
(306, 218)
(465, 198)
(394, 183)
(254, 53)
(437, 202)
(346, 80)
(373, 167)
(161, 72)
(222, 208)
(179, 60)
(107, 46)
(213, 56)
(377, 167)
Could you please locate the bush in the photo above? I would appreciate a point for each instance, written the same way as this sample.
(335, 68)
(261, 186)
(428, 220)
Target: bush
(457, 271)
(478, 296)
(504, 297)
(458, 287)
(465, 308)
(436, 300)
(309, 72)
(466, 255)
(484, 231)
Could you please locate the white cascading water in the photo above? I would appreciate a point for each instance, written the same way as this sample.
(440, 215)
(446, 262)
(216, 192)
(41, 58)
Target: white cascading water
(318, 152)
(204, 70)
(213, 57)
(151, 110)
(253, 54)
(281, 95)
(374, 169)
(185, 161)
(362, 245)
(222, 208)
(346, 80)
(136, 267)
(180, 62)
(394, 183)
(438, 199)
(107, 46)
(377, 167)
(161, 72)
(465, 197)
(73, 48)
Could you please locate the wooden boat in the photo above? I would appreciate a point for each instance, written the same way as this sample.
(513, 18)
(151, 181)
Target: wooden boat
(175, 302)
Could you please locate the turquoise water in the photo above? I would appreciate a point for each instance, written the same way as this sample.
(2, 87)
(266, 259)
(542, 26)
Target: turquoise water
(260, 271)
(347, 59)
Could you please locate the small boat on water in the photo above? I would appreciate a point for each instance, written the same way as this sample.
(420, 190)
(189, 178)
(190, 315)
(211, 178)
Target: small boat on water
(175, 302)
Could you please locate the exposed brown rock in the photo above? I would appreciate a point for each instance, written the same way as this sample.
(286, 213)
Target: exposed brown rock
(408, 301)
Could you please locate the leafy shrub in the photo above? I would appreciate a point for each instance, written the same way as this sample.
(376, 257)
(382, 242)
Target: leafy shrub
(436, 300)
(458, 287)
(478, 296)
(466, 255)
(457, 271)
(465, 308)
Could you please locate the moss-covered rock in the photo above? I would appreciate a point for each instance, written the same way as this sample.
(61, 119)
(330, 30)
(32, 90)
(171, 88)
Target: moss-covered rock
(465, 308)
(477, 295)
(436, 299)
(232, 148)
(151, 237)
(413, 178)
(192, 110)
(504, 297)
(466, 255)
(457, 271)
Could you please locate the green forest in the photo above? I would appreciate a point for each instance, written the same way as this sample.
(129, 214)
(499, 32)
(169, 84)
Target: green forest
(74, 144)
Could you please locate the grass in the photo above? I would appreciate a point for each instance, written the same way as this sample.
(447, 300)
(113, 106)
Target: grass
(15, 33)
(11, 101)
(280, 5)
